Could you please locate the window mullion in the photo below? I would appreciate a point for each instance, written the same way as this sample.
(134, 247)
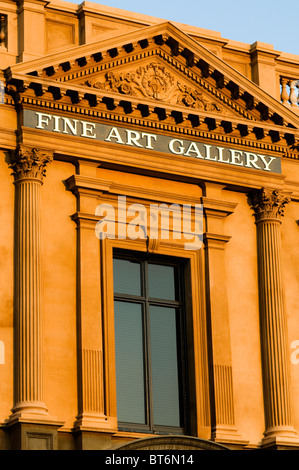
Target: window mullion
(148, 348)
(145, 362)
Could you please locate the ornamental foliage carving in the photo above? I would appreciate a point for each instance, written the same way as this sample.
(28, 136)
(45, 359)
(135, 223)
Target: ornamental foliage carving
(154, 81)
(268, 204)
(30, 162)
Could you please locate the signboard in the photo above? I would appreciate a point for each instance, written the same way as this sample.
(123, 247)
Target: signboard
(150, 141)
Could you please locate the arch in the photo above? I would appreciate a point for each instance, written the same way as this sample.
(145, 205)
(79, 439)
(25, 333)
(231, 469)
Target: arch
(171, 443)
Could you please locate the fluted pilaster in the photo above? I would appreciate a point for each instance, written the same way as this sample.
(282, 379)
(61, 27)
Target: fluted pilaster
(224, 404)
(216, 210)
(268, 209)
(92, 395)
(28, 169)
(93, 400)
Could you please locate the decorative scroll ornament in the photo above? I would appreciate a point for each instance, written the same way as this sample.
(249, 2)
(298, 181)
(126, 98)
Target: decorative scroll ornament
(154, 81)
(268, 204)
(195, 99)
(30, 162)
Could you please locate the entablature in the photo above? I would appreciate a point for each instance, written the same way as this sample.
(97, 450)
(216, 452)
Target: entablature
(179, 49)
(159, 80)
(156, 74)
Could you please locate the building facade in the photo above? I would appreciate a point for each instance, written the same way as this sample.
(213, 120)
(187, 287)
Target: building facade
(149, 223)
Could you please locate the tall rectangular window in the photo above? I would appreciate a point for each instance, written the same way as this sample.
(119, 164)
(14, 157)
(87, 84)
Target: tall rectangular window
(3, 31)
(150, 344)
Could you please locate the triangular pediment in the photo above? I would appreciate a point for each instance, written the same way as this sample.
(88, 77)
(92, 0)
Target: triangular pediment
(156, 66)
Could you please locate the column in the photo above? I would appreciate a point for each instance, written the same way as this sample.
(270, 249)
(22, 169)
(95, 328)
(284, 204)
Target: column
(216, 209)
(268, 207)
(28, 165)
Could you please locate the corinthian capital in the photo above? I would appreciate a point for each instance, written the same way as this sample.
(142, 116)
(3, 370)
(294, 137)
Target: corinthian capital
(268, 204)
(27, 162)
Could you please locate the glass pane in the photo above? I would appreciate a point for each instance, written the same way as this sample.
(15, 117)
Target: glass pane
(129, 362)
(161, 281)
(164, 366)
(126, 277)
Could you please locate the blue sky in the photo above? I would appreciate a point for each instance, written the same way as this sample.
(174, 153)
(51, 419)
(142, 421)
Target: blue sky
(274, 22)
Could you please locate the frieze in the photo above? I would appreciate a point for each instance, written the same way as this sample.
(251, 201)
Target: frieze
(150, 141)
(196, 130)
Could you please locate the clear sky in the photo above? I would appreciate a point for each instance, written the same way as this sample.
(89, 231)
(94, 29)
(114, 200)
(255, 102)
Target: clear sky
(275, 22)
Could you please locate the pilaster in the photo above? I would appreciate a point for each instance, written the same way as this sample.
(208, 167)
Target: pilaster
(268, 206)
(93, 409)
(31, 12)
(216, 209)
(263, 67)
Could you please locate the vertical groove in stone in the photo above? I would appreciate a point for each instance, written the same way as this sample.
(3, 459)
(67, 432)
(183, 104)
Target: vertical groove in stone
(28, 291)
(273, 328)
(92, 376)
(29, 166)
(224, 395)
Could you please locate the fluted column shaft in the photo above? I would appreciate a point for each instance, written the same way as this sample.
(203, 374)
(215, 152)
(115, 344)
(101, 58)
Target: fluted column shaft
(268, 206)
(28, 166)
(273, 327)
(28, 389)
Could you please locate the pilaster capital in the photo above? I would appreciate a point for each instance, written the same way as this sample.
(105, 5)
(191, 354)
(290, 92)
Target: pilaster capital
(27, 162)
(268, 203)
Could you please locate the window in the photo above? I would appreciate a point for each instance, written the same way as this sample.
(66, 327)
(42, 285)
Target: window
(150, 344)
(3, 31)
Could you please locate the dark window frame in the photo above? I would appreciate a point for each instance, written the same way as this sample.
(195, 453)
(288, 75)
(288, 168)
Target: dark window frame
(182, 359)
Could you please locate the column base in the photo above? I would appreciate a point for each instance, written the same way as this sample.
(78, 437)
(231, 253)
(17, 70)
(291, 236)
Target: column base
(282, 438)
(29, 409)
(228, 435)
(95, 422)
(93, 431)
(91, 440)
(33, 432)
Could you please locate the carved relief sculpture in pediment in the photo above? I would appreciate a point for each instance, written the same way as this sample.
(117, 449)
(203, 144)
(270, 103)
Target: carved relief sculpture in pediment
(154, 81)
(193, 98)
